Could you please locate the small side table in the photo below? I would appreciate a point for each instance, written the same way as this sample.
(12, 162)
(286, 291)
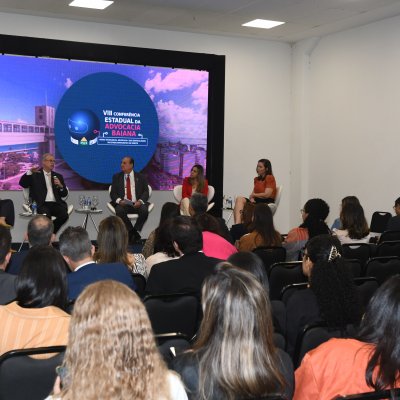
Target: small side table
(88, 214)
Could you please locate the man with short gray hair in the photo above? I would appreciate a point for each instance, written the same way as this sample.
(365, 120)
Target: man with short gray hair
(77, 250)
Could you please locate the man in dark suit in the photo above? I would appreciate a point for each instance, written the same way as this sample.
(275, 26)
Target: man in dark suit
(7, 213)
(187, 273)
(130, 195)
(47, 189)
(7, 281)
(77, 250)
(40, 232)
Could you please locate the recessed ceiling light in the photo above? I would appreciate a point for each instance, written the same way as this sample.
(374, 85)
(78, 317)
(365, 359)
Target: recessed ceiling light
(263, 23)
(97, 4)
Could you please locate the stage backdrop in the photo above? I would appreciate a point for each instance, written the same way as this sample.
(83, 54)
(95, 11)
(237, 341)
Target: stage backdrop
(92, 114)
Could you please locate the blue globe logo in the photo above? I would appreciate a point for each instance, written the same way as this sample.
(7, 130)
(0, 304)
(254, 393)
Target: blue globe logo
(84, 127)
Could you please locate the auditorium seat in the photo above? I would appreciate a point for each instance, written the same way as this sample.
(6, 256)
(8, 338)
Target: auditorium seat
(177, 192)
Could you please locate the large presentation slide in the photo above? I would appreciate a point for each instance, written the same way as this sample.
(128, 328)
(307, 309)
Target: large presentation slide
(92, 114)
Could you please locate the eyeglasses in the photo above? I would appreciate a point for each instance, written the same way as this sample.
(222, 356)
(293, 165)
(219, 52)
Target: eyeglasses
(303, 253)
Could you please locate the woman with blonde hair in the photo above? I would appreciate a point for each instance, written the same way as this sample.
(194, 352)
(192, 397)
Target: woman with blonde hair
(112, 241)
(111, 352)
(234, 356)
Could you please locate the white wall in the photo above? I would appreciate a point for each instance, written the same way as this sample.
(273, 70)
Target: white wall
(354, 117)
(257, 100)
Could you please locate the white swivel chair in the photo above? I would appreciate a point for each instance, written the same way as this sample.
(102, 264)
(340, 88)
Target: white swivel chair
(274, 206)
(132, 217)
(177, 191)
(26, 208)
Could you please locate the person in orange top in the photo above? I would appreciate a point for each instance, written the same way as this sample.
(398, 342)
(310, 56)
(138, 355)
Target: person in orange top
(350, 366)
(37, 317)
(264, 190)
(196, 182)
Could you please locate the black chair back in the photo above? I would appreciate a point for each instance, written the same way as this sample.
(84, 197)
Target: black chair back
(391, 394)
(140, 283)
(379, 221)
(278, 310)
(270, 255)
(283, 274)
(382, 268)
(178, 312)
(357, 251)
(366, 287)
(171, 345)
(354, 266)
(389, 235)
(315, 334)
(23, 377)
(288, 290)
(388, 248)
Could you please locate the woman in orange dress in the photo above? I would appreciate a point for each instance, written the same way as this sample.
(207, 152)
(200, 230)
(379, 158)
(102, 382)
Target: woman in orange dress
(264, 190)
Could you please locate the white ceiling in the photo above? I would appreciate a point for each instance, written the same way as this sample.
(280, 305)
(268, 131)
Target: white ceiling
(304, 18)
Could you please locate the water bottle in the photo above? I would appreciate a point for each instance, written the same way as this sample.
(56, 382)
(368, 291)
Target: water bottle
(34, 208)
(230, 202)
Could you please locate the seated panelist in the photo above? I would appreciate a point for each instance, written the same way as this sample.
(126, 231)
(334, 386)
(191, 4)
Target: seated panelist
(264, 190)
(196, 182)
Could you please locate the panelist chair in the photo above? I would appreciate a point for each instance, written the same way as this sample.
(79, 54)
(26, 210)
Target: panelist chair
(177, 192)
(27, 209)
(132, 217)
(274, 206)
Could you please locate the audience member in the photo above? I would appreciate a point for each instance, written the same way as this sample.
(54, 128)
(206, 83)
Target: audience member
(198, 205)
(48, 190)
(350, 366)
(163, 245)
(185, 274)
(234, 355)
(7, 281)
(112, 242)
(39, 233)
(37, 317)
(331, 295)
(238, 230)
(214, 243)
(111, 352)
(337, 224)
(354, 225)
(314, 214)
(168, 210)
(195, 183)
(7, 213)
(262, 231)
(394, 222)
(264, 190)
(77, 250)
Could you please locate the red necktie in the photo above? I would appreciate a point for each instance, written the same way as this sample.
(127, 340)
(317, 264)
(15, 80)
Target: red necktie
(128, 188)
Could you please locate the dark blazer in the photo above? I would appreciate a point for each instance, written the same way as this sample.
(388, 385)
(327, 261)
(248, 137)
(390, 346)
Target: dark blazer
(184, 274)
(38, 189)
(7, 287)
(394, 223)
(90, 273)
(118, 187)
(15, 265)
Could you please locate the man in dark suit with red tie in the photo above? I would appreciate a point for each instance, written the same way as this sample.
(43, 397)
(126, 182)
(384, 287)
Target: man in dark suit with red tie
(130, 195)
(47, 189)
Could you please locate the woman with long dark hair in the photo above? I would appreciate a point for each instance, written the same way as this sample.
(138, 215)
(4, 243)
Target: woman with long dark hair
(354, 226)
(112, 242)
(314, 214)
(264, 190)
(234, 356)
(196, 182)
(349, 366)
(262, 230)
(37, 318)
(168, 210)
(331, 295)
